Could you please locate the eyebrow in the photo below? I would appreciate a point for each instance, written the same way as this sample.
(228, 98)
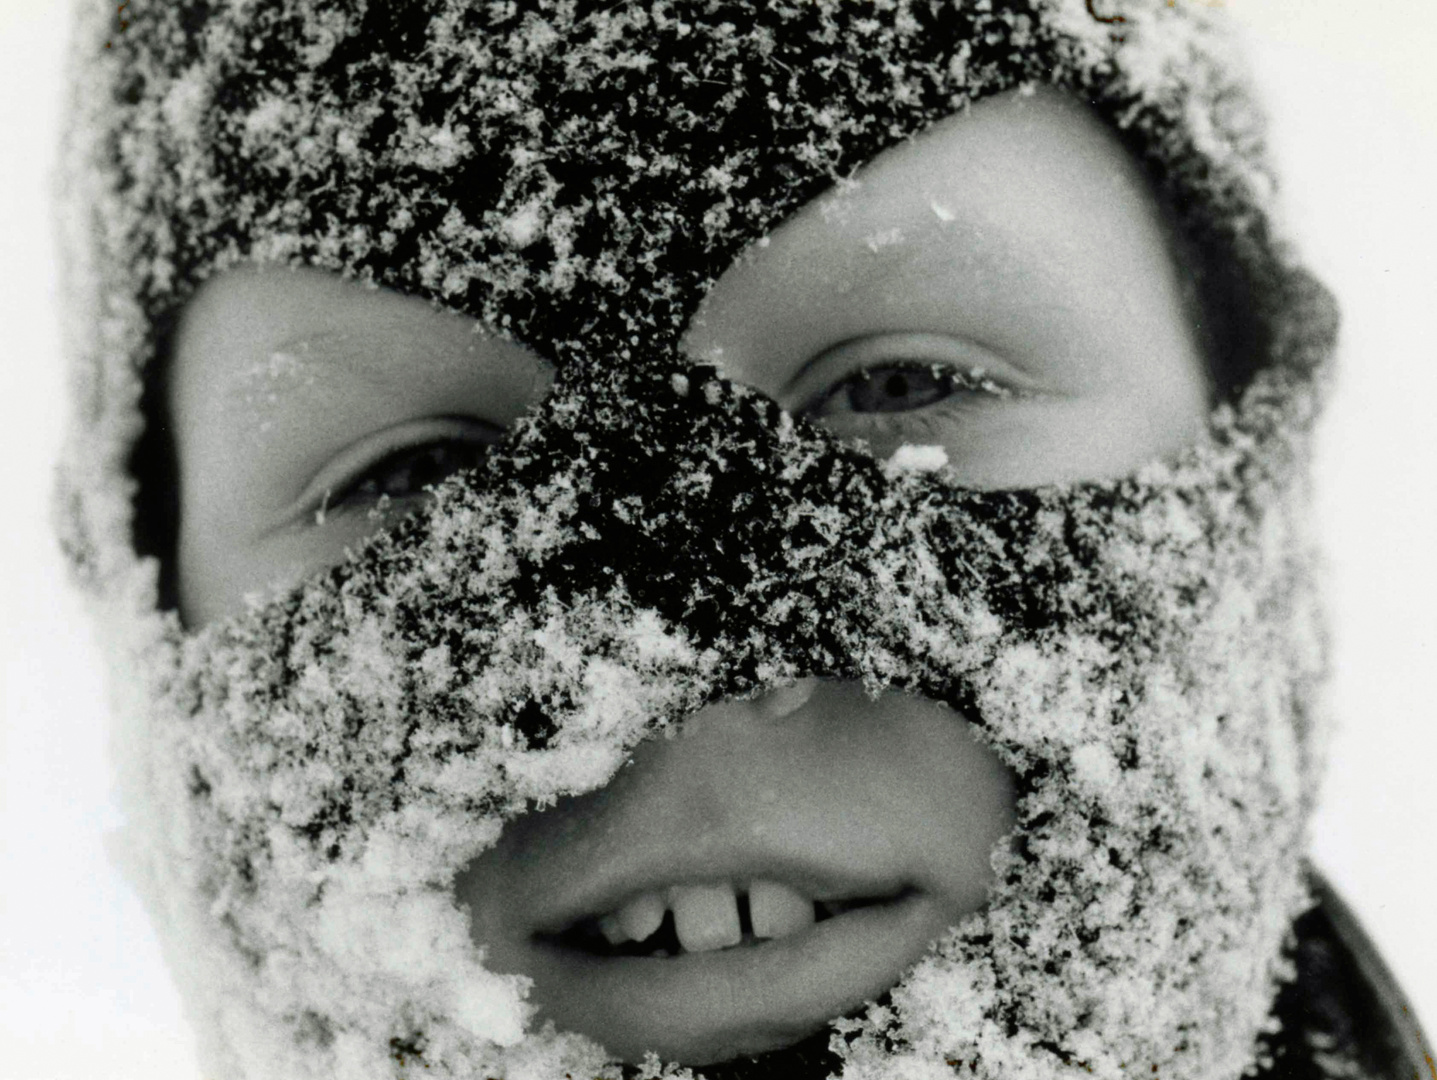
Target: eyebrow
(355, 353)
(377, 359)
(912, 256)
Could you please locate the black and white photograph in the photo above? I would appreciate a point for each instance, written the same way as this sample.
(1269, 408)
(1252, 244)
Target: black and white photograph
(718, 540)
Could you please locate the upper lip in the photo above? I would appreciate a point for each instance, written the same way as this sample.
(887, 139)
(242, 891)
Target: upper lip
(616, 880)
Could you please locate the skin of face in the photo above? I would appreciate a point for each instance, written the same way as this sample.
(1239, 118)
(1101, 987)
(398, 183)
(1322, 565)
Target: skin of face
(1002, 286)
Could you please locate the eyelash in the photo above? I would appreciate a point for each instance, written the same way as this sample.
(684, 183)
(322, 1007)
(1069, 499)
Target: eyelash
(353, 496)
(949, 380)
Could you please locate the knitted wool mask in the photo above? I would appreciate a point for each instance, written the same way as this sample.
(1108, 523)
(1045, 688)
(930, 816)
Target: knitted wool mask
(304, 781)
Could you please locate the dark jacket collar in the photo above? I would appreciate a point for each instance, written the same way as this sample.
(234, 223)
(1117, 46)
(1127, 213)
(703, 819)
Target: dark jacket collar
(1343, 1017)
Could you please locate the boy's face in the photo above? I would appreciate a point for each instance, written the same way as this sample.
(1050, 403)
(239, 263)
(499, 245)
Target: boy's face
(1002, 287)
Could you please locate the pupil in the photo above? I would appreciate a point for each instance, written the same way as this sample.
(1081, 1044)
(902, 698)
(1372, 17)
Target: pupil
(896, 385)
(417, 470)
(427, 469)
(896, 390)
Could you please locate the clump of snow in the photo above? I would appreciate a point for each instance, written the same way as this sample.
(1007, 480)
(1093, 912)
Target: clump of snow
(909, 458)
(884, 238)
(525, 225)
(941, 212)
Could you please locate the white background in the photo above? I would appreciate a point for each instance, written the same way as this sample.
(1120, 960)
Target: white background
(1353, 87)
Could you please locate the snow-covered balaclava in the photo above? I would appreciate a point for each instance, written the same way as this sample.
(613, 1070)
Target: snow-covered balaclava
(304, 781)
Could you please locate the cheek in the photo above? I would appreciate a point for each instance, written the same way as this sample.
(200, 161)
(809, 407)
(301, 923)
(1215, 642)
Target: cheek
(222, 557)
(1108, 434)
(210, 577)
(217, 567)
(1159, 406)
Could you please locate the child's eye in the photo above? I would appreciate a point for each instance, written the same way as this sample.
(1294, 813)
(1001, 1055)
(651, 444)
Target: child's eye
(890, 388)
(896, 373)
(413, 470)
(398, 465)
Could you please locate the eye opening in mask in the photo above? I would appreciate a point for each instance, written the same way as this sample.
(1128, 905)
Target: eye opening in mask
(1227, 326)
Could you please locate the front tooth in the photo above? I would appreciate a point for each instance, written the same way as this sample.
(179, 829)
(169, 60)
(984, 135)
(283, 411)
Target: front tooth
(642, 915)
(705, 916)
(613, 933)
(776, 910)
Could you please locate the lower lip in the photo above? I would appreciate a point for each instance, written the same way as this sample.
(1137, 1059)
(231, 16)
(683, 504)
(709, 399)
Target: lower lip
(697, 1008)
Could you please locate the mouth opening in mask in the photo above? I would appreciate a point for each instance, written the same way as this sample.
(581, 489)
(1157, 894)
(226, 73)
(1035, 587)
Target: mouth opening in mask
(775, 863)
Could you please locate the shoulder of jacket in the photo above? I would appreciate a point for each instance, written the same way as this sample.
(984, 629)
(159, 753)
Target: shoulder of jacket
(1343, 1017)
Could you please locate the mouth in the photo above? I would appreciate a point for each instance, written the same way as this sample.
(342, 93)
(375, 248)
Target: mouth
(707, 971)
(704, 918)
